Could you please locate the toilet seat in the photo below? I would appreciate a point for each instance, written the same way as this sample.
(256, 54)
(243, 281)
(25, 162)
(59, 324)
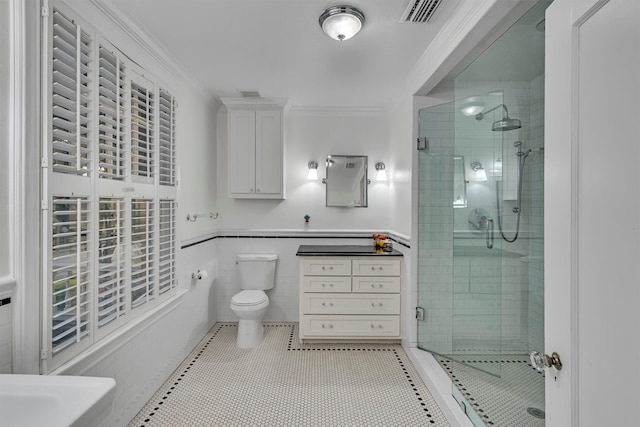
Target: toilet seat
(249, 297)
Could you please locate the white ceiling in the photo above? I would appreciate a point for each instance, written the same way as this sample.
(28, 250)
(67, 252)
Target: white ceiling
(278, 48)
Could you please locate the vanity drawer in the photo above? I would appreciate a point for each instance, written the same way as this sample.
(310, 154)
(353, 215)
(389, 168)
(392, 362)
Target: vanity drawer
(376, 267)
(326, 284)
(349, 326)
(351, 304)
(385, 284)
(326, 267)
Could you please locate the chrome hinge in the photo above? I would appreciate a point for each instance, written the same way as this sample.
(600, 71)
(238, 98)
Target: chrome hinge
(44, 205)
(422, 143)
(45, 11)
(44, 354)
(44, 163)
(419, 313)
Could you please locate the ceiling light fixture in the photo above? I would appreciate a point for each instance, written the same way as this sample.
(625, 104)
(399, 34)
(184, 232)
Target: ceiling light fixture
(341, 22)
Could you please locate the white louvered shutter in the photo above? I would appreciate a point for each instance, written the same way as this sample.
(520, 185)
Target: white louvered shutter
(166, 256)
(71, 272)
(142, 131)
(111, 114)
(167, 138)
(142, 252)
(111, 304)
(71, 97)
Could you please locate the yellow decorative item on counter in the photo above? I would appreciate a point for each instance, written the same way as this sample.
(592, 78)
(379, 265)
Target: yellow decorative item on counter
(379, 240)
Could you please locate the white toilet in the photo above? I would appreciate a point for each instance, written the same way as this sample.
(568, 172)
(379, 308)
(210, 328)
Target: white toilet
(257, 274)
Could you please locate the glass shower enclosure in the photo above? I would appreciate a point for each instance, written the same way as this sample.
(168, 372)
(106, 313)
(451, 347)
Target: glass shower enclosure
(480, 229)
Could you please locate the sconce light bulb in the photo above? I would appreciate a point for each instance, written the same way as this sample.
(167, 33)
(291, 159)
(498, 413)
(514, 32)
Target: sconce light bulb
(313, 170)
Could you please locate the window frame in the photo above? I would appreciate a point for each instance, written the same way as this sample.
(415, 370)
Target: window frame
(97, 188)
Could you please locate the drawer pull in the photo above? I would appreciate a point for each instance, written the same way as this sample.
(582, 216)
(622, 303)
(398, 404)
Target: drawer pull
(373, 285)
(324, 267)
(324, 285)
(324, 304)
(373, 304)
(329, 326)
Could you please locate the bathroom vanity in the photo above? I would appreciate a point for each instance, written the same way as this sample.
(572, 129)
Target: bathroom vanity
(349, 293)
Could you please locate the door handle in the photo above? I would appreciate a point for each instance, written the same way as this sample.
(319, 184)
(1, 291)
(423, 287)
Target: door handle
(489, 238)
(541, 361)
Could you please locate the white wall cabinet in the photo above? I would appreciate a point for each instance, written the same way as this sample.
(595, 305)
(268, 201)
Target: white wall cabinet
(255, 148)
(350, 298)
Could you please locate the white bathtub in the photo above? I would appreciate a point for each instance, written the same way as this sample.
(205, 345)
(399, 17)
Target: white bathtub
(54, 400)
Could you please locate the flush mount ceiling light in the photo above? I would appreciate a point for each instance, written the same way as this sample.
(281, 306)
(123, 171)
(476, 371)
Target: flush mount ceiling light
(341, 22)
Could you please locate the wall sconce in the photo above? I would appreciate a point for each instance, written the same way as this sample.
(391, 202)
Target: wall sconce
(481, 174)
(313, 170)
(341, 22)
(382, 174)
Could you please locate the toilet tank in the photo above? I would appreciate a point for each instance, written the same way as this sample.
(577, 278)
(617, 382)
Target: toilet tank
(256, 271)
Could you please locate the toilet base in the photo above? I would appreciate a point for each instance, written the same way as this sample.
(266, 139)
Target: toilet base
(250, 333)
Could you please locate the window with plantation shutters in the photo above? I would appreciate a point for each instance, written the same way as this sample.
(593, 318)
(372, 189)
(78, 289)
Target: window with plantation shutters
(166, 138)
(70, 101)
(166, 255)
(70, 272)
(142, 252)
(109, 189)
(111, 114)
(142, 131)
(111, 304)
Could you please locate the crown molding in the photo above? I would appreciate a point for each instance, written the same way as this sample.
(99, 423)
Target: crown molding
(338, 111)
(148, 43)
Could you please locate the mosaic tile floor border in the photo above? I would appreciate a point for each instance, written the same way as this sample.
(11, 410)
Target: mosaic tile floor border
(282, 383)
(505, 400)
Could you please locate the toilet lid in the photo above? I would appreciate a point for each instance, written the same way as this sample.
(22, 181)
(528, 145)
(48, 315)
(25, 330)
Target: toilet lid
(252, 297)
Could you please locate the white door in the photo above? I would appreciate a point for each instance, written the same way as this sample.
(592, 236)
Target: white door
(592, 212)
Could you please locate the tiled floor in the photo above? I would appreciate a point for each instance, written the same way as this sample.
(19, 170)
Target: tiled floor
(500, 389)
(282, 383)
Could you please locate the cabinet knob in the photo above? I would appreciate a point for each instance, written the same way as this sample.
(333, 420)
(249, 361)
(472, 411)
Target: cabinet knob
(257, 190)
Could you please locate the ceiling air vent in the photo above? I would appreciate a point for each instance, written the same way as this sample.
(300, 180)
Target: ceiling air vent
(350, 165)
(420, 11)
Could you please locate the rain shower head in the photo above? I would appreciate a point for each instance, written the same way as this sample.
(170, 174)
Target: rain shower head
(506, 123)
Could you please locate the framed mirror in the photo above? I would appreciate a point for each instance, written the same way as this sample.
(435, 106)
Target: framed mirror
(347, 181)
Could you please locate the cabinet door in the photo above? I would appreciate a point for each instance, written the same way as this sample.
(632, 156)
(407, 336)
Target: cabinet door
(242, 152)
(268, 138)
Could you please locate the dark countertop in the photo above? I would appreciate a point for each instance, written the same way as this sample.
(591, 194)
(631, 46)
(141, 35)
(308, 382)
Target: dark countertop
(343, 250)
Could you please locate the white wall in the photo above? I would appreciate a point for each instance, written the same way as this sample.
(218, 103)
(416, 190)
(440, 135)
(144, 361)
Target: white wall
(312, 135)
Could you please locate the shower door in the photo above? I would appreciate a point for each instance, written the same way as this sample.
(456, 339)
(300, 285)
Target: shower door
(460, 258)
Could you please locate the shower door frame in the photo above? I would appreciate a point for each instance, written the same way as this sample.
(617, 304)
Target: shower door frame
(444, 145)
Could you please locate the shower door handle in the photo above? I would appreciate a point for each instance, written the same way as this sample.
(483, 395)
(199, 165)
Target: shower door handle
(489, 237)
(540, 361)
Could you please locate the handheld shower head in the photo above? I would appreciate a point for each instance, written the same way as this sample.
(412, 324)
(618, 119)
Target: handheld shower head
(506, 123)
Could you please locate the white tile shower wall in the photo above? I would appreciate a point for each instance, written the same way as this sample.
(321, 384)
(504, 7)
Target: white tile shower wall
(283, 298)
(6, 338)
